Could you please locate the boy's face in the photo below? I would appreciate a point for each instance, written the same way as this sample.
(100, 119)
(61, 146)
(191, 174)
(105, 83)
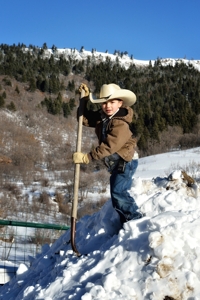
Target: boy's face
(111, 106)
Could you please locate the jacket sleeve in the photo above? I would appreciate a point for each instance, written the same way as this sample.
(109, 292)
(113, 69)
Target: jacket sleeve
(90, 117)
(117, 138)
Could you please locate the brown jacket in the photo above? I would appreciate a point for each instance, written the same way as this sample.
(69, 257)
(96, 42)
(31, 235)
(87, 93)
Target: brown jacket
(119, 136)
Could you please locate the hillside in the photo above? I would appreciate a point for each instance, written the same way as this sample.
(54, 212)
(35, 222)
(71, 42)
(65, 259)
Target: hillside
(168, 90)
(38, 101)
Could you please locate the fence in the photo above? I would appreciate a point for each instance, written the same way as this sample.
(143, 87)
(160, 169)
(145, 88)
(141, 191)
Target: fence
(20, 242)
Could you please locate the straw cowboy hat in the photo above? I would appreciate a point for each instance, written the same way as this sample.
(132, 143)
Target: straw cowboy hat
(113, 91)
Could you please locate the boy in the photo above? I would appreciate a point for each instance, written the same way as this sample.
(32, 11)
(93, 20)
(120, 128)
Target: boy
(116, 144)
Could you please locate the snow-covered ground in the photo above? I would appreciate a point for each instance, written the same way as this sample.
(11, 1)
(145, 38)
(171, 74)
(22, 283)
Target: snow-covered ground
(156, 257)
(124, 59)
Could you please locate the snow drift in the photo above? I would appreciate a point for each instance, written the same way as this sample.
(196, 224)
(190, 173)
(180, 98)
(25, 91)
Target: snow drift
(156, 257)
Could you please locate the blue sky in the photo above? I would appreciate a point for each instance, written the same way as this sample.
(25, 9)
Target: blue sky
(146, 29)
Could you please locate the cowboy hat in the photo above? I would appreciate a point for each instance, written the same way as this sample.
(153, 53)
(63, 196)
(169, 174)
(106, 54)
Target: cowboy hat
(113, 91)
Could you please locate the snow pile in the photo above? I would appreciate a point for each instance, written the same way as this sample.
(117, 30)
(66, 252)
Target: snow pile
(156, 257)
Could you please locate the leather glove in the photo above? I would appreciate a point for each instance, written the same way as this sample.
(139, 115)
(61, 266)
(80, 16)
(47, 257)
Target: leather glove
(80, 158)
(84, 87)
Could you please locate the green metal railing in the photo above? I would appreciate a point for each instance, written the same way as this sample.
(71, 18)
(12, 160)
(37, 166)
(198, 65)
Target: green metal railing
(20, 242)
(34, 225)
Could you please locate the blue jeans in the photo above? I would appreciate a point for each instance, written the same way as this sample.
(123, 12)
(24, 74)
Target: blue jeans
(120, 183)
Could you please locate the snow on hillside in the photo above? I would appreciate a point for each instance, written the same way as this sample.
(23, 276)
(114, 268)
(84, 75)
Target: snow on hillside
(125, 60)
(156, 257)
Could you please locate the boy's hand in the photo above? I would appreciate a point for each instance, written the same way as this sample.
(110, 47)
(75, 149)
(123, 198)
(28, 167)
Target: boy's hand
(84, 87)
(80, 158)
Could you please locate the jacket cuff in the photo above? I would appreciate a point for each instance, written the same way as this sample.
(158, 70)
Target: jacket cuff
(90, 157)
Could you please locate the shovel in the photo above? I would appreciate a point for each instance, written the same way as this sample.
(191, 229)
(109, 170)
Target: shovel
(77, 175)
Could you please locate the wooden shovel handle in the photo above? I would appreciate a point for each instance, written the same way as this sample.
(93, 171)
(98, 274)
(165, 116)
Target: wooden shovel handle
(77, 175)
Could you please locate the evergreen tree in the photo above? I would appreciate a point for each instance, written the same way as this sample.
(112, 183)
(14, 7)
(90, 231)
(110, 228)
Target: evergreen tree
(32, 85)
(2, 102)
(72, 103)
(71, 86)
(54, 48)
(44, 46)
(4, 95)
(17, 89)
(142, 143)
(11, 106)
(155, 132)
(66, 109)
